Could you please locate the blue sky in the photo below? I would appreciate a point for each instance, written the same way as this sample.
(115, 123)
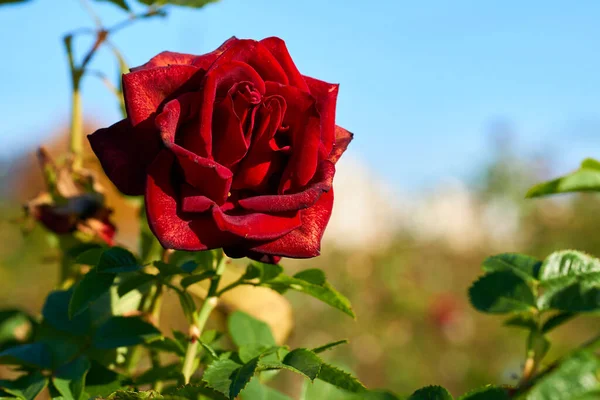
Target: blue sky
(421, 82)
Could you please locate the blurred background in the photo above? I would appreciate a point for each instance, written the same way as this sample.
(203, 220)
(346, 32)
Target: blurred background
(457, 108)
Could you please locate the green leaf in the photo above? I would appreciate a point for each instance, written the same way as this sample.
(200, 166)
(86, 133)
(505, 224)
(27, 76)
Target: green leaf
(309, 282)
(2, 2)
(522, 321)
(538, 344)
(209, 350)
(340, 379)
(167, 269)
(501, 292)
(15, 326)
(100, 381)
(195, 391)
(117, 260)
(124, 331)
(304, 361)
(257, 391)
(26, 387)
(219, 375)
(186, 3)
(329, 346)
(190, 280)
(573, 378)
(524, 266)
(249, 351)
(120, 3)
(88, 290)
(69, 379)
(242, 376)
(189, 266)
(585, 179)
(486, 393)
(261, 271)
(246, 330)
(90, 256)
(133, 283)
(557, 320)
(35, 355)
(168, 345)
(187, 305)
(163, 373)
(132, 395)
(56, 314)
(431, 393)
(570, 281)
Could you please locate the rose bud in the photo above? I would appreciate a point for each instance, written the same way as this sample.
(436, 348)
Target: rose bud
(233, 149)
(72, 202)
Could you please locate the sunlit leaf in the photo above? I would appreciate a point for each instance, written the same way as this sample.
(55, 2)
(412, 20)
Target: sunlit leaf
(431, 393)
(524, 266)
(246, 330)
(585, 179)
(486, 393)
(69, 379)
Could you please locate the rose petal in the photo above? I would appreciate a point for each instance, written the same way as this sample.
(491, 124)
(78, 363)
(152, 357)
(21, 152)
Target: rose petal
(255, 55)
(124, 153)
(175, 229)
(165, 59)
(304, 242)
(206, 60)
(305, 134)
(262, 159)
(145, 90)
(233, 122)
(208, 176)
(279, 50)
(277, 203)
(257, 226)
(192, 200)
(218, 82)
(342, 140)
(326, 96)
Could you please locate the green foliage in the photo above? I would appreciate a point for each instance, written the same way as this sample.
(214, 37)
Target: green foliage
(26, 387)
(186, 3)
(117, 260)
(245, 330)
(487, 393)
(575, 377)
(119, 3)
(88, 290)
(35, 355)
(69, 379)
(501, 292)
(15, 326)
(585, 179)
(329, 346)
(524, 266)
(122, 331)
(3, 2)
(431, 393)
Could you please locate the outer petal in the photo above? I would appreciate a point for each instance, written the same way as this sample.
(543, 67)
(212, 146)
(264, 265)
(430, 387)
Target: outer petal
(173, 228)
(342, 140)
(125, 153)
(279, 50)
(277, 203)
(304, 242)
(206, 175)
(165, 59)
(257, 226)
(326, 96)
(145, 90)
(206, 60)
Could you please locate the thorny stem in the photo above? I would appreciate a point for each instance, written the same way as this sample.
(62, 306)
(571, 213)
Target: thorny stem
(210, 303)
(591, 345)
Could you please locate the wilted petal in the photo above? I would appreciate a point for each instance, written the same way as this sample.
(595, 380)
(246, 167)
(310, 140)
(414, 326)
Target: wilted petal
(342, 140)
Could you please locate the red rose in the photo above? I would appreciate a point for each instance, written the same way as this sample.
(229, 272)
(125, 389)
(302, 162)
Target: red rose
(232, 149)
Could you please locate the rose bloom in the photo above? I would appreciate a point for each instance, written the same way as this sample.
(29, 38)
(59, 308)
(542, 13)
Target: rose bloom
(233, 149)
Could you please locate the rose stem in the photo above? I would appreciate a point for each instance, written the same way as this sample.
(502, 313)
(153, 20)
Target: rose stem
(210, 303)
